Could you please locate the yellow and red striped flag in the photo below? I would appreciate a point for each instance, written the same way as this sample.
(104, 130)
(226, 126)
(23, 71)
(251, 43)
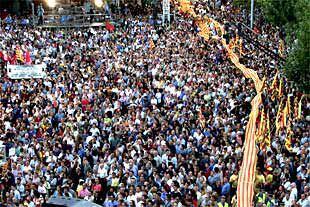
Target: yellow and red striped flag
(278, 118)
(204, 29)
(299, 108)
(202, 119)
(280, 88)
(289, 134)
(19, 54)
(273, 86)
(245, 189)
(152, 45)
(260, 132)
(286, 111)
(275, 80)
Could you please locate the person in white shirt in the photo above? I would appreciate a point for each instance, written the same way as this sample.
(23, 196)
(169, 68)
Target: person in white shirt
(294, 193)
(131, 197)
(303, 201)
(286, 200)
(42, 189)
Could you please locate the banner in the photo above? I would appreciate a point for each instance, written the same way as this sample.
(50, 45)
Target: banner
(26, 71)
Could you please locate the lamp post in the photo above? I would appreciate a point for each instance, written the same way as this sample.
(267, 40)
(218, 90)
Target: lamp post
(252, 13)
(32, 9)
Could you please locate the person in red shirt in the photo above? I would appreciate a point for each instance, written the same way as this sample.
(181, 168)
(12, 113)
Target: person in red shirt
(97, 186)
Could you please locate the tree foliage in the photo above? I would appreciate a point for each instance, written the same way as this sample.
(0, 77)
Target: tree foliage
(294, 15)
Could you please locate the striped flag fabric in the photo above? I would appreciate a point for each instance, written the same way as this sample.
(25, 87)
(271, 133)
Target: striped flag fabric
(245, 188)
(152, 44)
(286, 112)
(278, 117)
(273, 86)
(280, 92)
(19, 55)
(289, 134)
(299, 108)
(204, 30)
(274, 81)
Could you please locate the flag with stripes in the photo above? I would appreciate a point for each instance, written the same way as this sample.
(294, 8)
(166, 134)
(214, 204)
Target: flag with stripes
(268, 132)
(273, 86)
(204, 30)
(299, 107)
(288, 139)
(286, 112)
(260, 132)
(19, 55)
(152, 44)
(245, 188)
(280, 91)
(278, 117)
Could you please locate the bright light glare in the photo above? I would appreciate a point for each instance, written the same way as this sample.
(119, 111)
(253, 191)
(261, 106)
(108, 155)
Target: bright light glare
(51, 3)
(99, 3)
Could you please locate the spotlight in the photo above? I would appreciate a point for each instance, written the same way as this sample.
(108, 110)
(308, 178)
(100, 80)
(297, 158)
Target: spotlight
(51, 3)
(99, 3)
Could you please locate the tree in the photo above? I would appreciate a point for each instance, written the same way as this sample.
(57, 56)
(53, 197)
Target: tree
(294, 16)
(279, 12)
(297, 66)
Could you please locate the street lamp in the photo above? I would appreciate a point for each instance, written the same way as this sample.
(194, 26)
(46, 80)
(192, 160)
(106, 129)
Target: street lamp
(98, 3)
(51, 3)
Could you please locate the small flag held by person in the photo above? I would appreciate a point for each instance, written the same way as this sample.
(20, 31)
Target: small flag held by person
(152, 44)
(19, 54)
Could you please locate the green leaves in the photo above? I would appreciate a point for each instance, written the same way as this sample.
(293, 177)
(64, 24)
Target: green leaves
(294, 16)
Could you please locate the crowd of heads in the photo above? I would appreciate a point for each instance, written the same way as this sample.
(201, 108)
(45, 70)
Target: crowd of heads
(121, 123)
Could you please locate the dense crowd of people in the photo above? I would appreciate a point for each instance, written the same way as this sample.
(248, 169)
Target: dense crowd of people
(121, 122)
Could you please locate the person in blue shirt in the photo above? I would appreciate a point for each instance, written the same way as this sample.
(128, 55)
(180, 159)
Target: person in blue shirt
(110, 202)
(40, 14)
(226, 187)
